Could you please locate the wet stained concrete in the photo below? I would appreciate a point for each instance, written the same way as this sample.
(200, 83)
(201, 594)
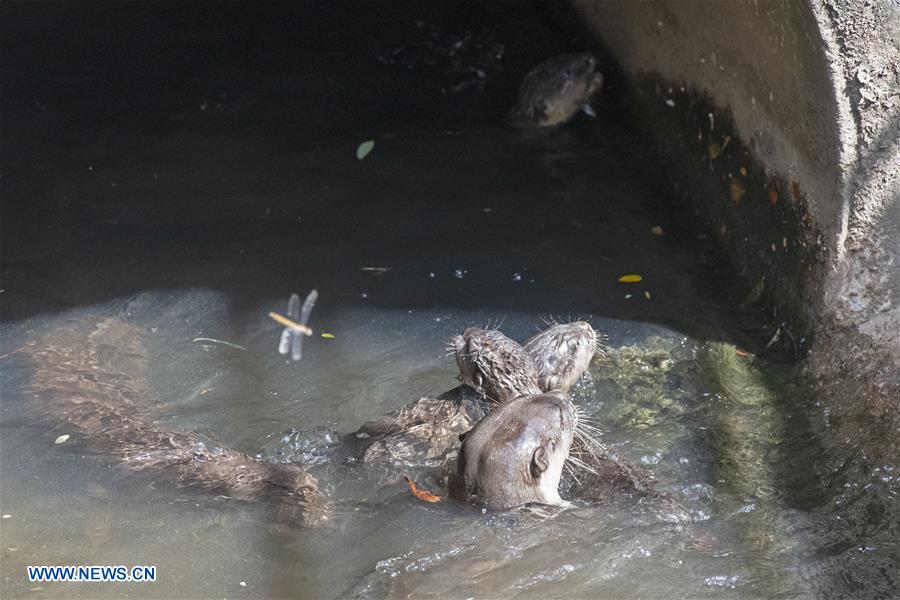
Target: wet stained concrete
(185, 168)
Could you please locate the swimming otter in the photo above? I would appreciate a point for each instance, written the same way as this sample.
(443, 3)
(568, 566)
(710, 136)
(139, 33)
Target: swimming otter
(495, 365)
(94, 387)
(562, 354)
(555, 90)
(515, 455)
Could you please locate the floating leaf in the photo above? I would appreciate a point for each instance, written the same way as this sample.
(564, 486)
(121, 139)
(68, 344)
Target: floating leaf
(630, 278)
(743, 172)
(647, 295)
(736, 190)
(328, 336)
(656, 230)
(62, 439)
(423, 495)
(364, 149)
(714, 150)
(741, 353)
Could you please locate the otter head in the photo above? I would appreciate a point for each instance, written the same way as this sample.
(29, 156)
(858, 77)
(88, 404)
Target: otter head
(515, 455)
(562, 354)
(494, 365)
(556, 89)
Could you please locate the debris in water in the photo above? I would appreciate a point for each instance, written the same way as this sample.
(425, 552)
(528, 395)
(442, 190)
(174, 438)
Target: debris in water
(714, 150)
(656, 230)
(741, 353)
(773, 194)
(647, 295)
(736, 190)
(423, 495)
(377, 270)
(62, 439)
(743, 172)
(295, 326)
(364, 149)
(215, 341)
(795, 190)
(460, 273)
(630, 278)
(7, 516)
(755, 293)
(328, 336)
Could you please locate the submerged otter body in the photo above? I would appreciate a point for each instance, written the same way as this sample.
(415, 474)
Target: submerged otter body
(555, 90)
(93, 386)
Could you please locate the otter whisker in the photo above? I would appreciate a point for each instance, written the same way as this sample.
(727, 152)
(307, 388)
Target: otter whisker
(581, 464)
(590, 443)
(571, 472)
(589, 430)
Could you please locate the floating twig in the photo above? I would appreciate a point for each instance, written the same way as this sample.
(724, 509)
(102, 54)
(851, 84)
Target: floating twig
(214, 341)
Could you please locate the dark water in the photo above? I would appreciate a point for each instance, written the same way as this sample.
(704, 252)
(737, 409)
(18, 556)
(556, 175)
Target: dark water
(171, 173)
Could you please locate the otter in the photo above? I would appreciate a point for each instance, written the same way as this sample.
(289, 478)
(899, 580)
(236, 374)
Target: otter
(495, 365)
(515, 455)
(555, 90)
(494, 369)
(562, 354)
(93, 386)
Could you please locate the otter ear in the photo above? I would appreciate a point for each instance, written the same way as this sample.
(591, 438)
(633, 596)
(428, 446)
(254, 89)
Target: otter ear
(464, 435)
(539, 462)
(477, 379)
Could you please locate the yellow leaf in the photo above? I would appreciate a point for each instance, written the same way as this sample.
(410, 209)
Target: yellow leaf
(630, 279)
(328, 336)
(647, 295)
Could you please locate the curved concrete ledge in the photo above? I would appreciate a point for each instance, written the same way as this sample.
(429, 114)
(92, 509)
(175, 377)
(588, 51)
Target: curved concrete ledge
(807, 196)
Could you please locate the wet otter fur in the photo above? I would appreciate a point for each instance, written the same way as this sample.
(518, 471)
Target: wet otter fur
(552, 92)
(562, 353)
(93, 387)
(494, 369)
(515, 455)
(495, 365)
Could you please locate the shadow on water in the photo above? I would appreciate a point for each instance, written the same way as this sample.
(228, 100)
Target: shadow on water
(181, 169)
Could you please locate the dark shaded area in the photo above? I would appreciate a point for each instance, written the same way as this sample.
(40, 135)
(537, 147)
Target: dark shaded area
(213, 145)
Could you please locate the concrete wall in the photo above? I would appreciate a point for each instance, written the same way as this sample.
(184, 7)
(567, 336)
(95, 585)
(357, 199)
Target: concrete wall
(811, 91)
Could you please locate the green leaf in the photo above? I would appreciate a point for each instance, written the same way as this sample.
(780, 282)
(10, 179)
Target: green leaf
(364, 149)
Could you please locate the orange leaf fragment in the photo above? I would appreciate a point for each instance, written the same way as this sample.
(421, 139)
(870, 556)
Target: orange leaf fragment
(423, 495)
(632, 278)
(741, 353)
